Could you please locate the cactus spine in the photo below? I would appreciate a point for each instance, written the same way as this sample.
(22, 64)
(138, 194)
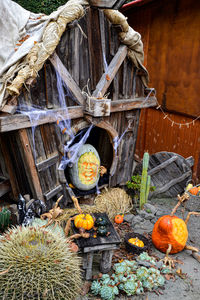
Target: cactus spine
(37, 264)
(145, 181)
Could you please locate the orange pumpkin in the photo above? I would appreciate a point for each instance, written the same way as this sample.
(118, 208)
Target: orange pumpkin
(170, 230)
(85, 221)
(119, 219)
(194, 190)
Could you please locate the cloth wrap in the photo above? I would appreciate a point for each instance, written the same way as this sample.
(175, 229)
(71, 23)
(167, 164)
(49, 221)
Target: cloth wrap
(28, 39)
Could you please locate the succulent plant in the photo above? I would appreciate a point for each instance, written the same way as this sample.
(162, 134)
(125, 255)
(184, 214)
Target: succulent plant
(107, 293)
(129, 277)
(95, 287)
(37, 264)
(130, 287)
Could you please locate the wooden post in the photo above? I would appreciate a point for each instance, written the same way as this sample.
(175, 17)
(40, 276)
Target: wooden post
(106, 260)
(31, 167)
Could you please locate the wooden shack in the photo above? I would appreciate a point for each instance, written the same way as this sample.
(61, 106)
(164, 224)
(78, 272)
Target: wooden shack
(89, 58)
(170, 31)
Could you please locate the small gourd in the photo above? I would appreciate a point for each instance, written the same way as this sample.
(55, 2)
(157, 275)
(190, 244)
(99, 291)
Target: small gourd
(85, 221)
(101, 221)
(170, 230)
(102, 230)
(137, 242)
(119, 219)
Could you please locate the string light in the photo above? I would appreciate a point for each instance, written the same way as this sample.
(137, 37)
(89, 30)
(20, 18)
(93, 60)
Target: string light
(176, 123)
(166, 116)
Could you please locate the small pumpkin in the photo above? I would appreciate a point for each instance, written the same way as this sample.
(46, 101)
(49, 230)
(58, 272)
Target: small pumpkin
(119, 219)
(194, 191)
(101, 221)
(85, 221)
(137, 242)
(170, 230)
(102, 230)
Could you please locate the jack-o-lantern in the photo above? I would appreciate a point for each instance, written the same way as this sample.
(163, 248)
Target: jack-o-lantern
(85, 172)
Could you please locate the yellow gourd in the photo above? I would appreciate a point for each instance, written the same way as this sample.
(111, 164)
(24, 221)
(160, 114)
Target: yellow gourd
(136, 242)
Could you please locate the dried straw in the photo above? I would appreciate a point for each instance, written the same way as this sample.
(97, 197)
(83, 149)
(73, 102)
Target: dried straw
(113, 201)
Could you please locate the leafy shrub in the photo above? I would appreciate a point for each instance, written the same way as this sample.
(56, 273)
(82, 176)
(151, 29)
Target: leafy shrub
(41, 6)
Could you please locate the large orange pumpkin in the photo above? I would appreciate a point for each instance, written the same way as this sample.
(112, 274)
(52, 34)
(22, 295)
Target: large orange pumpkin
(170, 230)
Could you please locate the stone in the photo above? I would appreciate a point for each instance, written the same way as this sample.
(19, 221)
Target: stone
(136, 219)
(150, 208)
(145, 226)
(128, 218)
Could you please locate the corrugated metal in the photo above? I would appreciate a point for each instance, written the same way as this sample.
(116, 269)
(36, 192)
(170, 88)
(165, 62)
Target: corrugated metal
(157, 134)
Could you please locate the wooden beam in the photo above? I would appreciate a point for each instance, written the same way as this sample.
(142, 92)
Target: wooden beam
(67, 78)
(108, 76)
(18, 121)
(30, 163)
(53, 192)
(135, 103)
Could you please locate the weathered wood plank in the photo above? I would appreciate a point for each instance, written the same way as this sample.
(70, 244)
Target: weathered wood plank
(47, 163)
(53, 192)
(129, 104)
(30, 163)
(9, 166)
(67, 78)
(172, 183)
(8, 123)
(162, 165)
(108, 76)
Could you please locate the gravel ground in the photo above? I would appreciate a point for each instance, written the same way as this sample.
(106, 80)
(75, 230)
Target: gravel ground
(188, 288)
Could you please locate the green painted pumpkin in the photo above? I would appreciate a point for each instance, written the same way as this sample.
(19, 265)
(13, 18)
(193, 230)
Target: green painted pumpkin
(84, 173)
(101, 221)
(102, 230)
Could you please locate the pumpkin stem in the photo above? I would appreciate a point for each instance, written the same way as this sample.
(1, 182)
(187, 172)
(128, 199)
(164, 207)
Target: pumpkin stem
(76, 204)
(181, 199)
(189, 214)
(188, 247)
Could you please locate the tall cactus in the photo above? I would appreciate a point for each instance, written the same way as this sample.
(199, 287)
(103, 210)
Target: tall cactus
(145, 181)
(5, 215)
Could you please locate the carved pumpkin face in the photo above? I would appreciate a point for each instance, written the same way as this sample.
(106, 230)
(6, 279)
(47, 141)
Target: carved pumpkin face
(88, 167)
(170, 230)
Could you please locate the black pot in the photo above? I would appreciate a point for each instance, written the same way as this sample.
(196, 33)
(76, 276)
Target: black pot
(133, 248)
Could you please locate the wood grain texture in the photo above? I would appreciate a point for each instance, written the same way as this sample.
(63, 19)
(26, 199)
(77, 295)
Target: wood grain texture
(170, 32)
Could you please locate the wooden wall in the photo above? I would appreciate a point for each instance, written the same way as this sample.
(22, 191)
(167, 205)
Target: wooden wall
(171, 35)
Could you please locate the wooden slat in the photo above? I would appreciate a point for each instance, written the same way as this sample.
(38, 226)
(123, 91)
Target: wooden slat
(172, 183)
(67, 78)
(41, 166)
(30, 163)
(53, 192)
(108, 76)
(162, 165)
(8, 123)
(129, 104)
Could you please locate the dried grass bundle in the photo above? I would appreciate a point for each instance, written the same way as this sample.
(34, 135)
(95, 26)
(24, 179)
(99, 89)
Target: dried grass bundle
(113, 201)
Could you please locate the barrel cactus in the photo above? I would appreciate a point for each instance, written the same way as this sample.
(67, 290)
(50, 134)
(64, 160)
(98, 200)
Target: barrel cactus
(37, 264)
